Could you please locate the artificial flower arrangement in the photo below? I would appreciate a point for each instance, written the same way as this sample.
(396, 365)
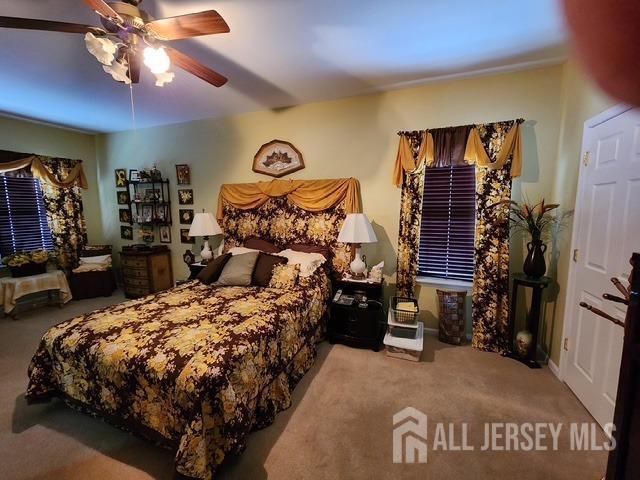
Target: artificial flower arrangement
(27, 263)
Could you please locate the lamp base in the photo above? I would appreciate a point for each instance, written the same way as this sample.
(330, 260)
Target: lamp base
(206, 252)
(358, 267)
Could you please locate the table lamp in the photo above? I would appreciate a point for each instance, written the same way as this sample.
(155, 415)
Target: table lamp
(204, 225)
(357, 230)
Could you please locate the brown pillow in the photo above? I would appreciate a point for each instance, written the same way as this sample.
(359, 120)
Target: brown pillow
(212, 271)
(264, 269)
(299, 247)
(260, 244)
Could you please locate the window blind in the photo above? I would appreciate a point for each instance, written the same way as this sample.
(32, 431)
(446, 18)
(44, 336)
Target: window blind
(23, 219)
(447, 228)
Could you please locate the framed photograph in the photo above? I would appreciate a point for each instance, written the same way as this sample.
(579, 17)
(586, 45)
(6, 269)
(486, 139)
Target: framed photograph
(186, 216)
(189, 258)
(152, 195)
(125, 215)
(277, 158)
(162, 213)
(123, 197)
(184, 236)
(165, 234)
(147, 213)
(147, 234)
(134, 175)
(183, 174)
(126, 233)
(121, 177)
(185, 197)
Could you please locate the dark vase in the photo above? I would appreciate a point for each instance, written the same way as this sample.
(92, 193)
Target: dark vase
(534, 265)
(28, 269)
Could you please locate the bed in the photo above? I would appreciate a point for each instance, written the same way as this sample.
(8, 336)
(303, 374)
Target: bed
(198, 367)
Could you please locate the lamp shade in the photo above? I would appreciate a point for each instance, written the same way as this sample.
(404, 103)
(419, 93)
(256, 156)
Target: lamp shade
(203, 225)
(357, 229)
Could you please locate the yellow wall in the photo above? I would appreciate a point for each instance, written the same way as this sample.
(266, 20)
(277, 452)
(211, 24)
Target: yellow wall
(349, 137)
(29, 137)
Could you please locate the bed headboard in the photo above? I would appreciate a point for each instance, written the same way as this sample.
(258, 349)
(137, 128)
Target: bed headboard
(290, 211)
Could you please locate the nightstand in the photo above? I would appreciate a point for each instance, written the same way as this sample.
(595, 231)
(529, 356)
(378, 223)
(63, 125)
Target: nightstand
(195, 269)
(353, 325)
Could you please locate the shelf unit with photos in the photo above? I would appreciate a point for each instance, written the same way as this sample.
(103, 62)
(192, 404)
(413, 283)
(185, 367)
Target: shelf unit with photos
(150, 202)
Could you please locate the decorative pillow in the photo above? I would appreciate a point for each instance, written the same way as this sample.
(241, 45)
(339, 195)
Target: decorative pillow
(300, 247)
(309, 262)
(103, 259)
(238, 270)
(214, 268)
(260, 244)
(264, 269)
(284, 276)
(240, 250)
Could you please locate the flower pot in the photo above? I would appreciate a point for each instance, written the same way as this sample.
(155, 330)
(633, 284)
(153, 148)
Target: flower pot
(28, 269)
(535, 265)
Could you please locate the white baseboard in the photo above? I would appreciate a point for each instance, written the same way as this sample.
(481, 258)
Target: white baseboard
(554, 369)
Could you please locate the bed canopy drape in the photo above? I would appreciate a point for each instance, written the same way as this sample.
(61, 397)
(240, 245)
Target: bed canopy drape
(496, 150)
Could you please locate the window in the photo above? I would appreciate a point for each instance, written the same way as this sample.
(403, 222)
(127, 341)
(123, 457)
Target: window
(448, 223)
(23, 220)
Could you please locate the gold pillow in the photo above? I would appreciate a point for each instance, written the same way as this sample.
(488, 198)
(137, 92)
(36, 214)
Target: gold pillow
(284, 276)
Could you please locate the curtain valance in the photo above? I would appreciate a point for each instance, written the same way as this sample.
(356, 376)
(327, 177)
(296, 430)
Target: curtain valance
(311, 195)
(408, 161)
(75, 176)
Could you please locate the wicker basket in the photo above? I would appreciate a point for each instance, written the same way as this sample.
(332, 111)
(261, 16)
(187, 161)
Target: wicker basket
(402, 316)
(452, 328)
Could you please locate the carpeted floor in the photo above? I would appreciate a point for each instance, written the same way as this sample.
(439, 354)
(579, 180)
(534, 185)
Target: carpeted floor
(340, 424)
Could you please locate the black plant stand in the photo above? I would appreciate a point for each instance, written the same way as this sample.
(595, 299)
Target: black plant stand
(533, 319)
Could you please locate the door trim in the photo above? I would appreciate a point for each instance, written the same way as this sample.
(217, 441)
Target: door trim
(570, 302)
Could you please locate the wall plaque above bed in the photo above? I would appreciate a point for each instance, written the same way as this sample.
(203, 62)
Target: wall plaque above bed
(277, 159)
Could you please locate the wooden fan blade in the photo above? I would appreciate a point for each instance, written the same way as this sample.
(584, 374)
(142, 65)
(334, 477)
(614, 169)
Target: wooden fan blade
(185, 26)
(47, 25)
(134, 66)
(104, 10)
(194, 67)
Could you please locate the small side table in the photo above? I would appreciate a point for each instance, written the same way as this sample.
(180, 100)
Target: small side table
(195, 269)
(533, 318)
(12, 289)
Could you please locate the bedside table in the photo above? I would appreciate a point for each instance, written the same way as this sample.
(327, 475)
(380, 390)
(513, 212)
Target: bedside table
(195, 269)
(353, 325)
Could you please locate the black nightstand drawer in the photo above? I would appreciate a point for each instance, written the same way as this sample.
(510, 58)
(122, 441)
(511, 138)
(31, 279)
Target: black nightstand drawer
(356, 321)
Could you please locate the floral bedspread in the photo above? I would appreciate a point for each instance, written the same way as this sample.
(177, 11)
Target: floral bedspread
(197, 366)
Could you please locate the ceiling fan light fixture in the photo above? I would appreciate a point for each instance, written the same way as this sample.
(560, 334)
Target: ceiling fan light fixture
(101, 47)
(119, 71)
(156, 59)
(164, 77)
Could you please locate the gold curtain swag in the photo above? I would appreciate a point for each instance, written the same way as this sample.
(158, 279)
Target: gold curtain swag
(475, 153)
(311, 195)
(39, 171)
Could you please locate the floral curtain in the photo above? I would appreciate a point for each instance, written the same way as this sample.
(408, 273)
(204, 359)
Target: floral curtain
(65, 213)
(490, 298)
(410, 217)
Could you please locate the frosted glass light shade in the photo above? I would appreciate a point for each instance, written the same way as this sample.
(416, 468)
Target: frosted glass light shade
(357, 229)
(203, 225)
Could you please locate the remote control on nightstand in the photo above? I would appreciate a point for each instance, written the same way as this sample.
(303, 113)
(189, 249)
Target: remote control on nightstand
(337, 295)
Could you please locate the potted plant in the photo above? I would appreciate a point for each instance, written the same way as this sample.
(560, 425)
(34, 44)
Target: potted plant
(536, 220)
(23, 264)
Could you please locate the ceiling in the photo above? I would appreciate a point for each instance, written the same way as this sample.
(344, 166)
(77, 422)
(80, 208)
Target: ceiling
(279, 53)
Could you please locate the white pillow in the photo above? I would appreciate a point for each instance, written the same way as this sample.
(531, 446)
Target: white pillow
(98, 259)
(240, 250)
(309, 262)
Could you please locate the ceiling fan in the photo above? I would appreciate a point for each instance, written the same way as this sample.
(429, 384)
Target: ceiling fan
(127, 29)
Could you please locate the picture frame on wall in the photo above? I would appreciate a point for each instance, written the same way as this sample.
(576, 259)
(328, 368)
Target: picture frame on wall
(186, 216)
(125, 215)
(183, 174)
(165, 234)
(185, 238)
(148, 235)
(134, 175)
(121, 177)
(126, 233)
(185, 196)
(123, 197)
(277, 158)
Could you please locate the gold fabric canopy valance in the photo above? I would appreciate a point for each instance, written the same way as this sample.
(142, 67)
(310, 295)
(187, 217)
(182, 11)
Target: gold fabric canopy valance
(475, 153)
(38, 170)
(311, 195)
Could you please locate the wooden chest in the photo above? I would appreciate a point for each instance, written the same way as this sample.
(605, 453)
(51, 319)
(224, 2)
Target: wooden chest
(146, 272)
